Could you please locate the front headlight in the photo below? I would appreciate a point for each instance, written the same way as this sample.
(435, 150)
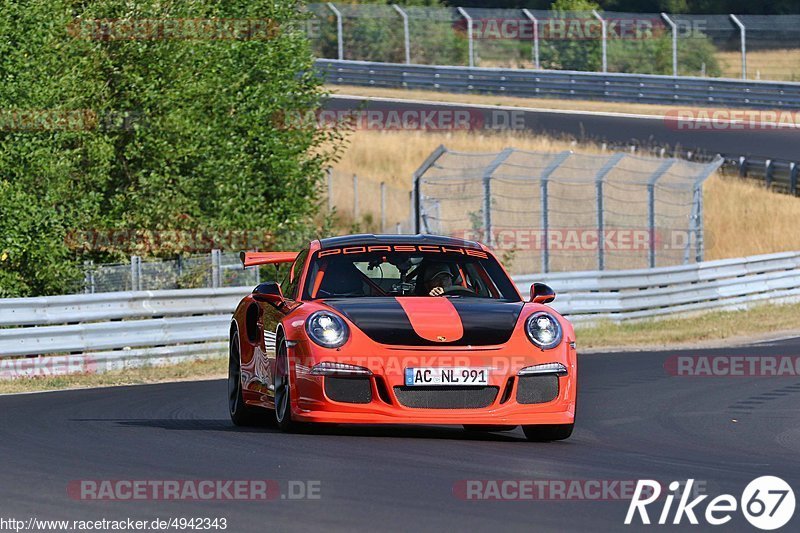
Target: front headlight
(543, 330)
(327, 329)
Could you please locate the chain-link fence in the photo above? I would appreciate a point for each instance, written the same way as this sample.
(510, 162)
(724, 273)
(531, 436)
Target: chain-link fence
(215, 269)
(724, 45)
(566, 211)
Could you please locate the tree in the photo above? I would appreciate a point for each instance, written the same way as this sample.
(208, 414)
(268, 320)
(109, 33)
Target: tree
(208, 146)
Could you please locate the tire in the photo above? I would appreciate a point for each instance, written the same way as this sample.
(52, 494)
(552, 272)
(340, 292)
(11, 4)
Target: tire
(548, 432)
(283, 390)
(241, 413)
(488, 427)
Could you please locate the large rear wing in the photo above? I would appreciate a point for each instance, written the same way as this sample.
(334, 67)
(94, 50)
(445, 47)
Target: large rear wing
(266, 258)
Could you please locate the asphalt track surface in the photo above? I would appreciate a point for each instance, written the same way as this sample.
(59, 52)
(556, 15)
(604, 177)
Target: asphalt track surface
(635, 421)
(732, 141)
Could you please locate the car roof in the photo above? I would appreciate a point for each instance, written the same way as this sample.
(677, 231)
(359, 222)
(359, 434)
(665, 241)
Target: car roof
(390, 239)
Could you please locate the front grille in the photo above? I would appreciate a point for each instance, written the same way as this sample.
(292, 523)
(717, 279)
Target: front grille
(446, 397)
(348, 390)
(537, 389)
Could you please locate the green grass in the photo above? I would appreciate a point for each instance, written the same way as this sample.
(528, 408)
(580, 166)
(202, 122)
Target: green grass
(689, 330)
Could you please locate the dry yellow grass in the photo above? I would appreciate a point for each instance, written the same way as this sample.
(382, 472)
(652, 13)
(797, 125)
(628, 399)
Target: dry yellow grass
(762, 64)
(672, 332)
(213, 368)
(741, 217)
(542, 103)
(393, 156)
(744, 218)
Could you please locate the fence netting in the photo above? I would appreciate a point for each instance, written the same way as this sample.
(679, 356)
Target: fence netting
(635, 43)
(190, 272)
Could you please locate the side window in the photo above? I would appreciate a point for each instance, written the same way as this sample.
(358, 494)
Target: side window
(291, 282)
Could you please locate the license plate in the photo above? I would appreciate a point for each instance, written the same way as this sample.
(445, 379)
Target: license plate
(446, 376)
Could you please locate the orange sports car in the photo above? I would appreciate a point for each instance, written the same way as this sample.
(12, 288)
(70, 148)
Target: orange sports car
(400, 329)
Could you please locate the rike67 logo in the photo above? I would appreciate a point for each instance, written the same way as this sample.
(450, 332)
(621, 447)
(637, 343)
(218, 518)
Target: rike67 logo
(767, 502)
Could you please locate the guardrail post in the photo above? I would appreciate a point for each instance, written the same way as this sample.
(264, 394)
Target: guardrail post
(406, 38)
(793, 178)
(216, 269)
(598, 180)
(415, 193)
(674, 29)
(768, 167)
(535, 50)
(742, 34)
(88, 277)
(339, 41)
(383, 207)
(136, 273)
(604, 28)
(651, 208)
(355, 197)
(463, 13)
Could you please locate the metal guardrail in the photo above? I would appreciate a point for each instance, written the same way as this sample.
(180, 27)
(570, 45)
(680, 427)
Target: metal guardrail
(193, 324)
(646, 293)
(610, 87)
(107, 331)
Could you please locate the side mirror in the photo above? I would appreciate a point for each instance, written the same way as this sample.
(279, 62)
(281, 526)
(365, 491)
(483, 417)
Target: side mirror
(542, 294)
(269, 292)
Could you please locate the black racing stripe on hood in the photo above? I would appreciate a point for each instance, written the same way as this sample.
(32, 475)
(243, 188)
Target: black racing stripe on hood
(485, 322)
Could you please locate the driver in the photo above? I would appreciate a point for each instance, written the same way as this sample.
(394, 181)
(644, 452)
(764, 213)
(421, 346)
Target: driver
(438, 279)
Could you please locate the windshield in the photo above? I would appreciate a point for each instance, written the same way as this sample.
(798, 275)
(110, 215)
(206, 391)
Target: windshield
(376, 271)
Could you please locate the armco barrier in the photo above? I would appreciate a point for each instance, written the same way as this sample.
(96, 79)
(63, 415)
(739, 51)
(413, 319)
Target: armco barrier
(641, 88)
(124, 329)
(114, 330)
(633, 294)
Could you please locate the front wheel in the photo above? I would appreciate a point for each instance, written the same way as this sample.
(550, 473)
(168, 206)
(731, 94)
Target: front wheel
(548, 432)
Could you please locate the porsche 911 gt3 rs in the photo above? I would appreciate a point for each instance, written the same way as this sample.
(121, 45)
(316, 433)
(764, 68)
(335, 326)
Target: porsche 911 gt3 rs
(400, 329)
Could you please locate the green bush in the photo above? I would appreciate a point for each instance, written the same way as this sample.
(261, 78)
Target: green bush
(654, 56)
(207, 146)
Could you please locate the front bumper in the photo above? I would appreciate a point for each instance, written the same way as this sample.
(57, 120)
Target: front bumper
(383, 398)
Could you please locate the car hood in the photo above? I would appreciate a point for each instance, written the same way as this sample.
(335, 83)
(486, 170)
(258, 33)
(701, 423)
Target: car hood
(431, 321)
